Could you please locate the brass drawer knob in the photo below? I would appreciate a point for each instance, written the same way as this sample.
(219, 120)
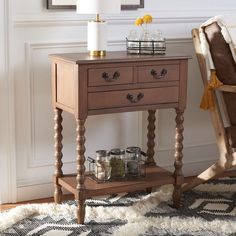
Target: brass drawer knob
(160, 76)
(107, 78)
(133, 99)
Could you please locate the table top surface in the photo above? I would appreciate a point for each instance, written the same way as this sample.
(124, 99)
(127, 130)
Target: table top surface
(114, 56)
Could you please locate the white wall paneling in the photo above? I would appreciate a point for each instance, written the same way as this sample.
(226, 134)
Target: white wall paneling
(28, 33)
(7, 134)
(38, 127)
(199, 139)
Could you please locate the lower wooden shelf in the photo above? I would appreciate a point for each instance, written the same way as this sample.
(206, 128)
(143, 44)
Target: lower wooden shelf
(155, 176)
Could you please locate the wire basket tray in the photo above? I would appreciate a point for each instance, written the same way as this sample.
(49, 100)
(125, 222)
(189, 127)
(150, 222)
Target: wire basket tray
(146, 47)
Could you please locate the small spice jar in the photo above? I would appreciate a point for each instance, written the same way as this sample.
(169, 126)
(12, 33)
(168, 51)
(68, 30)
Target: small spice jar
(102, 170)
(135, 162)
(117, 163)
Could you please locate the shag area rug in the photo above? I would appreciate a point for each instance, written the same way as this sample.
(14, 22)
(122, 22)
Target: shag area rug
(209, 210)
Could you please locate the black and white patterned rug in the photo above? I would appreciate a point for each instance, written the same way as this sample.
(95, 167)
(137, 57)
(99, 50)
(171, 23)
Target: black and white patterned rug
(208, 210)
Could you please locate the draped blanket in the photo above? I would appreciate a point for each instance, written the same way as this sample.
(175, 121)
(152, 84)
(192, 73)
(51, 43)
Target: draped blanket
(228, 31)
(218, 46)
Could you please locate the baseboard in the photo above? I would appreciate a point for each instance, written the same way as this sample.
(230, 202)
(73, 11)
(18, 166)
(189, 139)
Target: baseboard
(34, 192)
(38, 191)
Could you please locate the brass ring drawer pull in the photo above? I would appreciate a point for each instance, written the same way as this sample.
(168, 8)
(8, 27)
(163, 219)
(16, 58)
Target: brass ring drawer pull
(133, 99)
(115, 77)
(160, 76)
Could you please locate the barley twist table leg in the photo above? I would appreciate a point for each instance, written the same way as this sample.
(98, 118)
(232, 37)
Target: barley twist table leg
(58, 154)
(151, 137)
(80, 170)
(178, 175)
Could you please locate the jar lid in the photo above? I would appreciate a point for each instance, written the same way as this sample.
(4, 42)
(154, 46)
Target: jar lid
(102, 153)
(117, 151)
(135, 150)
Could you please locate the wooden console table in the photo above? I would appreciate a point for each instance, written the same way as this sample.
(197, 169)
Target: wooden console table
(83, 86)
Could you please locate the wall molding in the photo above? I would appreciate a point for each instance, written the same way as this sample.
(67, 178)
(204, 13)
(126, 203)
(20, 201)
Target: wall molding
(8, 158)
(112, 21)
(43, 187)
(30, 47)
(82, 44)
(198, 154)
(162, 16)
(187, 145)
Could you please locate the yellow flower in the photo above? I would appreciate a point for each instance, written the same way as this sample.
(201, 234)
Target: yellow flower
(147, 19)
(139, 21)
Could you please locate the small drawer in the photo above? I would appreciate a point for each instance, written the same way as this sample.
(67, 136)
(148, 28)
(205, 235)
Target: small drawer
(135, 97)
(110, 76)
(158, 73)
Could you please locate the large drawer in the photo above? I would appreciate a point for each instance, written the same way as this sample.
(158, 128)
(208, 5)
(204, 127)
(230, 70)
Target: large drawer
(134, 97)
(157, 73)
(110, 76)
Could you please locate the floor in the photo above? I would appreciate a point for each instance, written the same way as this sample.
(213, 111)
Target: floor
(5, 207)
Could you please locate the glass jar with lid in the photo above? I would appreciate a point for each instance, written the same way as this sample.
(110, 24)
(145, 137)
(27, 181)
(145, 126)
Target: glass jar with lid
(102, 170)
(136, 162)
(159, 42)
(133, 42)
(117, 163)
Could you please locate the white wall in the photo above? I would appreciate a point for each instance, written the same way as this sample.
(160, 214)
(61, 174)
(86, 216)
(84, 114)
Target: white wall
(7, 133)
(31, 33)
